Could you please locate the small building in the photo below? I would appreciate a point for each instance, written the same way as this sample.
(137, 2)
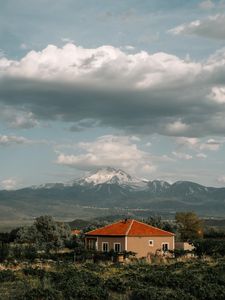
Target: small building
(130, 235)
(185, 246)
(75, 232)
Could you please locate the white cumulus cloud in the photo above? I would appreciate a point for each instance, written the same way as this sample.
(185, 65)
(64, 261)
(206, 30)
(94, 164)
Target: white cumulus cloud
(109, 150)
(139, 93)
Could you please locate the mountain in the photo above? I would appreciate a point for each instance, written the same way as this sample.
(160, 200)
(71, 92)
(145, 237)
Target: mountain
(108, 189)
(112, 176)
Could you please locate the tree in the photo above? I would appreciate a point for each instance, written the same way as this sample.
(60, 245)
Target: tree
(189, 225)
(28, 235)
(4, 251)
(46, 233)
(157, 221)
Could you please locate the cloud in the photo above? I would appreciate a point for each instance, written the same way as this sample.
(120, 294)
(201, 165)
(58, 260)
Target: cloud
(207, 4)
(67, 40)
(128, 48)
(110, 150)
(84, 125)
(218, 94)
(211, 27)
(221, 179)
(6, 140)
(9, 140)
(198, 144)
(180, 155)
(8, 184)
(24, 46)
(177, 128)
(16, 118)
(139, 93)
(201, 155)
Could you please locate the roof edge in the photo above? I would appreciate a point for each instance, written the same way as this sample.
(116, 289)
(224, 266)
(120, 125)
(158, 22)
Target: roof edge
(89, 232)
(169, 232)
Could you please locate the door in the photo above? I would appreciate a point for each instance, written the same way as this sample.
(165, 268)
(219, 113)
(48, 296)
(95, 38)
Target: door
(165, 247)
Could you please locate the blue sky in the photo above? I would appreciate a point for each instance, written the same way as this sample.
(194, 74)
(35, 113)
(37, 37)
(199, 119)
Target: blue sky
(138, 85)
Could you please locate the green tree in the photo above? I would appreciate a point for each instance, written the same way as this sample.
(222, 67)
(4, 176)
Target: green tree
(155, 221)
(45, 233)
(28, 235)
(4, 251)
(189, 225)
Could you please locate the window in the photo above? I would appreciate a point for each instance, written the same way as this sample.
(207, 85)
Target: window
(151, 243)
(165, 247)
(117, 247)
(105, 246)
(91, 245)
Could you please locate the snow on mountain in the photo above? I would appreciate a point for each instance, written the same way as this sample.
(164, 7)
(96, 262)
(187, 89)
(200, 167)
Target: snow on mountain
(111, 176)
(47, 186)
(104, 178)
(158, 186)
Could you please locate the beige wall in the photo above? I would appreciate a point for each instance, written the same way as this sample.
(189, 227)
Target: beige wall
(140, 245)
(111, 241)
(184, 246)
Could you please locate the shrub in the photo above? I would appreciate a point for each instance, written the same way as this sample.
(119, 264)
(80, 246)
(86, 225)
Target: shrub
(4, 251)
(7, 275)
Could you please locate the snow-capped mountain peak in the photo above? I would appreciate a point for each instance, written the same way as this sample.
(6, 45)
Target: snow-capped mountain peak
(110, 175)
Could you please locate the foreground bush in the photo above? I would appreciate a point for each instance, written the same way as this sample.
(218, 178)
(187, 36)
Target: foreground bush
(187, 281)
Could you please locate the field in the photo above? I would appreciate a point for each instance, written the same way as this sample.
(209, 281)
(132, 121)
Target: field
(195, 279)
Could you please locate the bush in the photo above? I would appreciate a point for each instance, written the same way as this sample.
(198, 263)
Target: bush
(162, 294)
(215, 248)
(7, 275)
(4, 251)
(115, 284)
(30, 252)
(42, 294)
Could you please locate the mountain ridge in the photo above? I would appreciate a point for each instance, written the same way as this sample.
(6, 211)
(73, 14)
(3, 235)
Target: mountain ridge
(111, 177)
(113, 188)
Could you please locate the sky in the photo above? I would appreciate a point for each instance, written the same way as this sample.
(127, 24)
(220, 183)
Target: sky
(136, 85)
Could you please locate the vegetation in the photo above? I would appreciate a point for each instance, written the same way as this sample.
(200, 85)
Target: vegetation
(43, 261)
(190, 280)
(190, 226)
(45, 233)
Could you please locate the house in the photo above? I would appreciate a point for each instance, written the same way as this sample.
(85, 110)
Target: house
(130, 235)
(185, 246)
(188, 249)
(75, 232)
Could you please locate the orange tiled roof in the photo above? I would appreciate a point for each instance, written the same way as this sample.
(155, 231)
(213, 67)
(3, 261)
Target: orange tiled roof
(129, 228)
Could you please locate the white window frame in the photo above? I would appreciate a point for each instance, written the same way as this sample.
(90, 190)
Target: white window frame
(114, 247)
(151, 243)
(168, 246)
(105, 243)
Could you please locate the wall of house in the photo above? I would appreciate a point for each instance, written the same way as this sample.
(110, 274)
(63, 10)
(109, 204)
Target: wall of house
(184, 246)
(140, 245)
(111, 240)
